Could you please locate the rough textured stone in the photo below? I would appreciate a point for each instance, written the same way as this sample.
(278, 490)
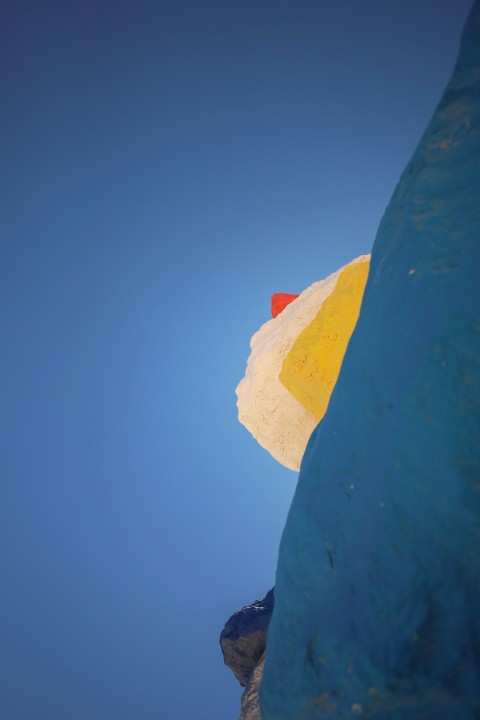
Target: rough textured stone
(378, 580)
(278, 420)
(250, 705)
(244, 636)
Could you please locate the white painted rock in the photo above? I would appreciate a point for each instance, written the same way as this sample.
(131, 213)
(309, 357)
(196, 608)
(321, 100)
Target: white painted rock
(276, 419)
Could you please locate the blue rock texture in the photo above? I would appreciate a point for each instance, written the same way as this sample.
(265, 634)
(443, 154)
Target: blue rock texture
(377, 599)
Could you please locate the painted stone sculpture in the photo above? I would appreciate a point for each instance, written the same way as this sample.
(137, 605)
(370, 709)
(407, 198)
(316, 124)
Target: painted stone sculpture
(295, 360)
(378, 578)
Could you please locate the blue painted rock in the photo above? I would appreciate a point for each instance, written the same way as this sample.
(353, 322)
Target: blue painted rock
(377, 600)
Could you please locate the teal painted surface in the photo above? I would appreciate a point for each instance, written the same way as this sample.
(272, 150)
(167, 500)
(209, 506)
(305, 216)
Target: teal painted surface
(378, 579)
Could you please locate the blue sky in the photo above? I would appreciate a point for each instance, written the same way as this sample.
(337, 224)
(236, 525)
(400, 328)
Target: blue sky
(166, 166)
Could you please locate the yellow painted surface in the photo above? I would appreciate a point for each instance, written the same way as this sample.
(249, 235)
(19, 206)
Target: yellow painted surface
(311, 368)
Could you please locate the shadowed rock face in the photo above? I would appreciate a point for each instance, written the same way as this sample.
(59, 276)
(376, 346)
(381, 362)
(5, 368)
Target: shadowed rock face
(250, 706)
(378, 582)
(243, 638)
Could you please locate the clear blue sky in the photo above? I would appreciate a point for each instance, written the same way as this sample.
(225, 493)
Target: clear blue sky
(166, 166)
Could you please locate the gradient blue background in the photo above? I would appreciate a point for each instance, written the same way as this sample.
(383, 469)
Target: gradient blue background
(166, 166)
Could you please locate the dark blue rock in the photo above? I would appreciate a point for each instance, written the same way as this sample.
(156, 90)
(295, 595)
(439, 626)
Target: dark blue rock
(244, 636)
(378, 582)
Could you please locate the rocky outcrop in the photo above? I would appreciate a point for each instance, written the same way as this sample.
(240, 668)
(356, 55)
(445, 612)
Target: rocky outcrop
(378, 578)
(244, 637)
(243, 641)
(250, 705)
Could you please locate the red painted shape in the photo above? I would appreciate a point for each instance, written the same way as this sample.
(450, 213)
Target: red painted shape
(280, 302)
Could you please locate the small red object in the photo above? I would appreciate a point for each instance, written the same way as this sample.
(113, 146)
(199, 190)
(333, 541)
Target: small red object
(280, 302)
